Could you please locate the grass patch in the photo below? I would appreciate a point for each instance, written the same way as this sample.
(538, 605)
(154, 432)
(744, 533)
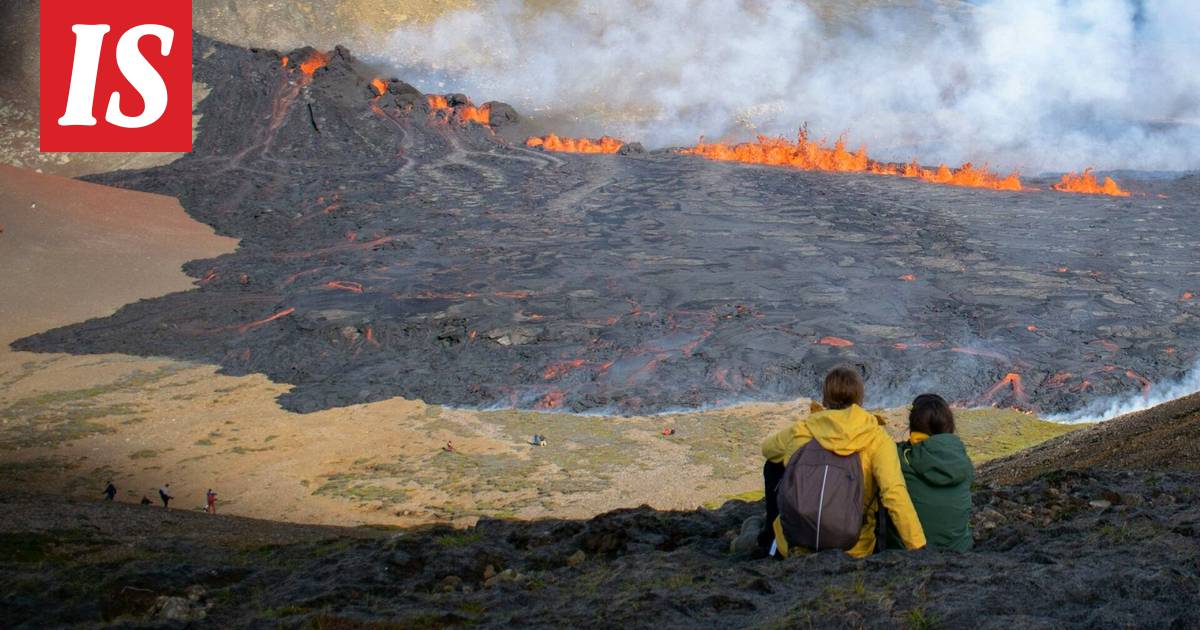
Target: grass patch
(54, 418)
(749, 497)
(992, 433)
(727, 444)
(33, 467)
(243, 450)
(354, 487)
(459, 539)
(36, 547)
(918, 619)
(144, 454)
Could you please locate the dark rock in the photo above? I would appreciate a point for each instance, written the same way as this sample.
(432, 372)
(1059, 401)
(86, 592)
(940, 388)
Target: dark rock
(501, 115)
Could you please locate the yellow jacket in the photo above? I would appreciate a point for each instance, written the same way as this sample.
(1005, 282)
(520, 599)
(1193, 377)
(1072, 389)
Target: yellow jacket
(846, 431)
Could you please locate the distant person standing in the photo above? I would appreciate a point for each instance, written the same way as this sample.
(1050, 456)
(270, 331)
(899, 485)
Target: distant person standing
(164, 493)
(211, 498)
(110, 491)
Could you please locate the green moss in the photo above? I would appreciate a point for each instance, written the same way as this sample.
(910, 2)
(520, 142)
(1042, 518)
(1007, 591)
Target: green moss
(33, 468)
(354, 487)
(242, 450)
(53, 418)
(459, 539)
(992, 433)
(55, 544)
(918, 619)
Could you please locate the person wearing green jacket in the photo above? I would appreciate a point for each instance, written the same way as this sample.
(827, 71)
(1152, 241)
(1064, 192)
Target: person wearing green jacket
(938, 474)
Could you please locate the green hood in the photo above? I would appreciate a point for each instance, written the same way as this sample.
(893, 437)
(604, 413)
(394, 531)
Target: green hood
(940, 460)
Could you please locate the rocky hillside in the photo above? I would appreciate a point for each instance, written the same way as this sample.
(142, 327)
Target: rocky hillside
(1165, 437)
(1069, 549)
(1065, 548)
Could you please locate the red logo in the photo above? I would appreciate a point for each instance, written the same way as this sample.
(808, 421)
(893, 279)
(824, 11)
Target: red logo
(116, 76)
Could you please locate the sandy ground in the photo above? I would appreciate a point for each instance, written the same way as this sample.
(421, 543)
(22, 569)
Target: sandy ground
(72, 250)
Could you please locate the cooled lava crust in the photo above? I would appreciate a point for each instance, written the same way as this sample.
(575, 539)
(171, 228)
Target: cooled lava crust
(393, 249)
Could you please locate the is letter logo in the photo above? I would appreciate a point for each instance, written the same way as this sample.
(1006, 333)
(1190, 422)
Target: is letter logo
(116, 76)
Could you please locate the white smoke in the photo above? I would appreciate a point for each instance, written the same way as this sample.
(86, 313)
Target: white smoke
(1039, 85)
(1109, 408)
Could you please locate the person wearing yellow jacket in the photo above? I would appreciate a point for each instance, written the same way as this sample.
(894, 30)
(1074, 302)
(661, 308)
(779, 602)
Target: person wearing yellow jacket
(842, 426)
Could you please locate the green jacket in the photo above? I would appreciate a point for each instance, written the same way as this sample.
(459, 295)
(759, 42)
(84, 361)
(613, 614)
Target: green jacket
(938, 474)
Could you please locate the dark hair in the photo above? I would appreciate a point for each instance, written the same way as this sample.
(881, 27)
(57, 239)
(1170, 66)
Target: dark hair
(931, 415)
(843, 387)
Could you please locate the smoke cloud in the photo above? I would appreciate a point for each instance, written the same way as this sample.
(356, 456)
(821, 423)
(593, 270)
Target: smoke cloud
(1038, 85)
(1109, 408)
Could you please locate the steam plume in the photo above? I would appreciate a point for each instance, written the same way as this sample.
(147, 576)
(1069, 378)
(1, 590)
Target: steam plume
(1039, 85)
(1108, 408)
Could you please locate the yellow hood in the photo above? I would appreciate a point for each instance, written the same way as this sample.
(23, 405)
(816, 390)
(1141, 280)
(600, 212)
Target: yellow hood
(844, 431)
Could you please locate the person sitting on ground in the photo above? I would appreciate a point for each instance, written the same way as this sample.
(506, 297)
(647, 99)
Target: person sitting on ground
(164, 493)
(938, 474)
(805, 502)
(110, 491)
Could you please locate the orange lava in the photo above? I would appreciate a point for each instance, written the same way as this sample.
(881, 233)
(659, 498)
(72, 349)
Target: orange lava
(1013, 379)
(817, 155)
(284, 313)
(315, 62)
(379, 86)
(836, 342)
(465, 113)
(1086, 183)
(1059, 379)
(553, 400)
(605, 144)
(342, 285)
(1142, 380)
(556, 370)
(966, 175)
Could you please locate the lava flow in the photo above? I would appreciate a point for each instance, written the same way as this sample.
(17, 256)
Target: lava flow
(605, 144)
(1086, 183)
(406, 253)
(816, 155)
(465, 112)
(315, 62)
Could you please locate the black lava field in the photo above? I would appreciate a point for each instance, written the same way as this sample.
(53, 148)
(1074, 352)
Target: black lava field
(390, 249)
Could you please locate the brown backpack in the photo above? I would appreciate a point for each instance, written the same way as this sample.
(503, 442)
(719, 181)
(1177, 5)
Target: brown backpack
(821, 499)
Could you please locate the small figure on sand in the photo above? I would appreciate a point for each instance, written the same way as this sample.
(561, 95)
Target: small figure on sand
(110, 491)
(538, 440)
(668, 431)
(211, 499)
(146, 500)
(164, 493)
(449, 447)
